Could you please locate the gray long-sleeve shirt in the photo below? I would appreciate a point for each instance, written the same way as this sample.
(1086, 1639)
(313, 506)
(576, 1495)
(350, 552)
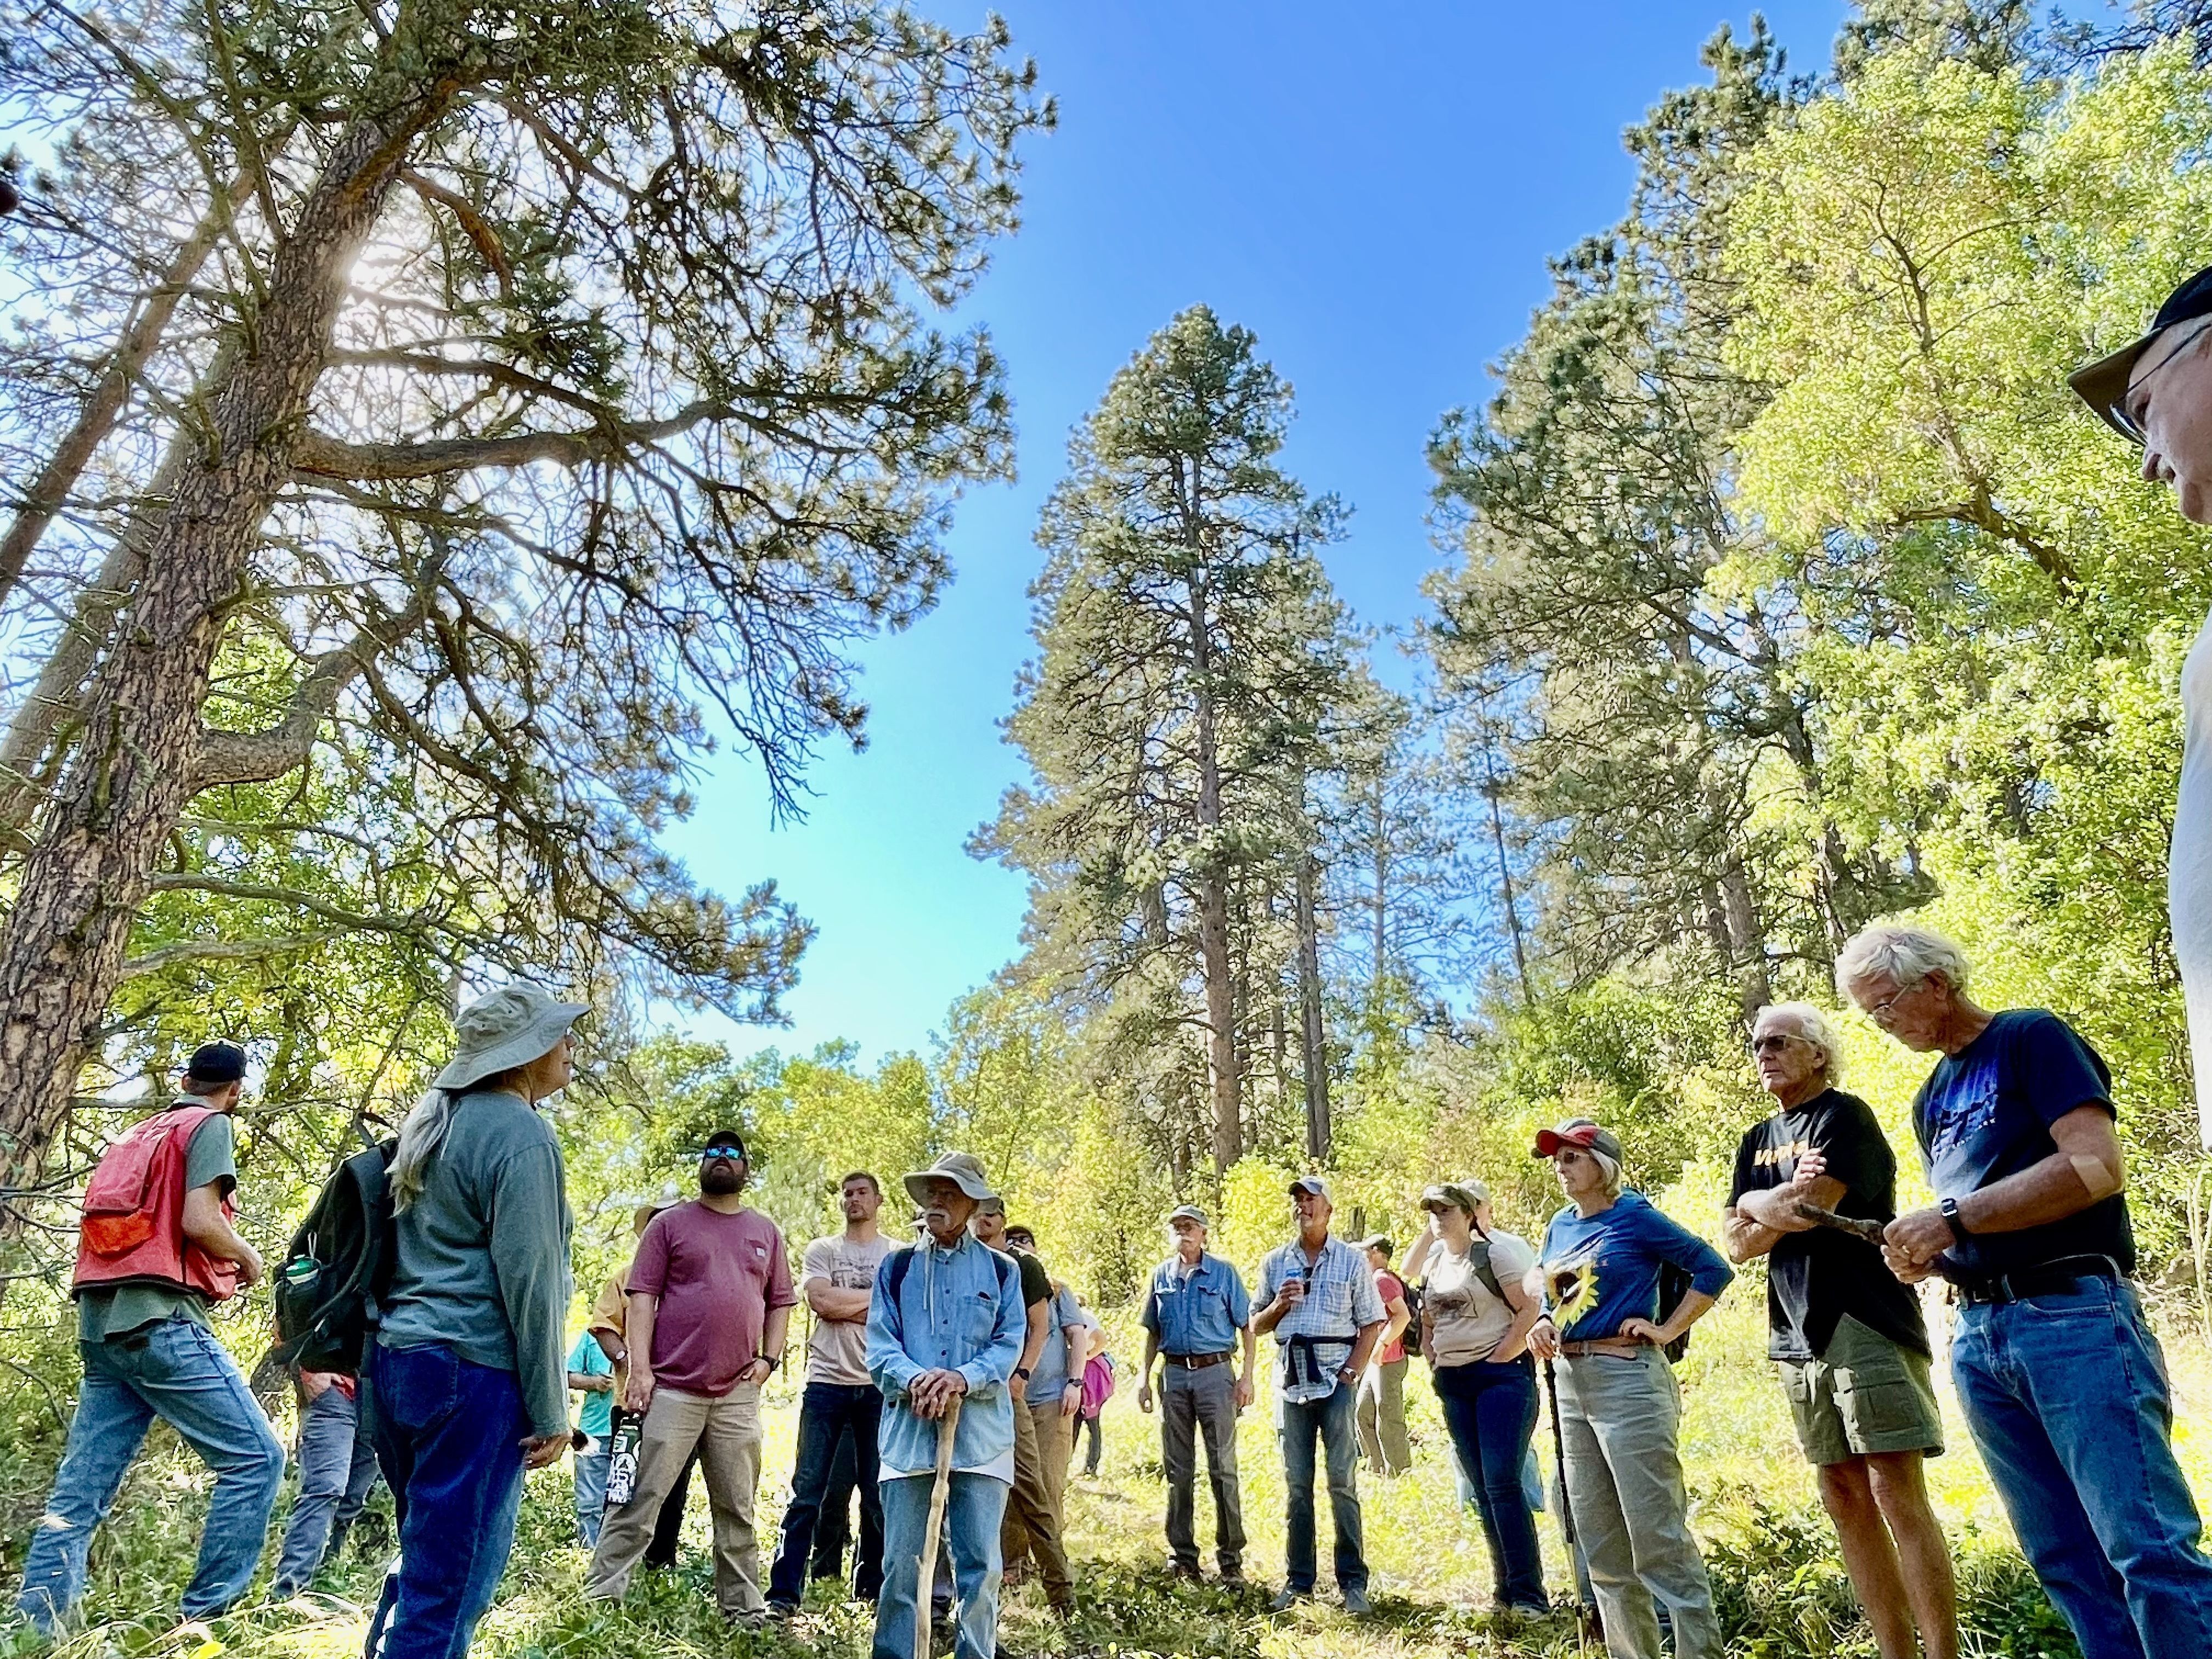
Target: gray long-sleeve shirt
(484, 1253)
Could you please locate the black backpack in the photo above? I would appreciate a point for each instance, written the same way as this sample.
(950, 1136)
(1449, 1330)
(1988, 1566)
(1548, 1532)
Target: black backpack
(1673, 1284)
(330, 1290)
(1410, 1342)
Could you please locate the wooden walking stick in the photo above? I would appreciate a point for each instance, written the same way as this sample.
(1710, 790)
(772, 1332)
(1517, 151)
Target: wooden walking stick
(933, 1530)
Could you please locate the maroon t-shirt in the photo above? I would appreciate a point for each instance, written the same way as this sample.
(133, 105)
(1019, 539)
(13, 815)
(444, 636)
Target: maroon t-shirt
(717, 1276)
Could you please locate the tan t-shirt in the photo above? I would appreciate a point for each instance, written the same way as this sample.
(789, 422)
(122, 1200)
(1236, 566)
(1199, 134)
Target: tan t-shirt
(1471, 1319)
(837, 1349)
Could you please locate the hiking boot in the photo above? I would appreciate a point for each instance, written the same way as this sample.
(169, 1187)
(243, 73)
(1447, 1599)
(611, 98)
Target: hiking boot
(1355, 1602)
(1287, 1598)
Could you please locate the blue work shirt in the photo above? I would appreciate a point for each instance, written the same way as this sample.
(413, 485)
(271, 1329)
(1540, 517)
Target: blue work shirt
(956, 1310)
(1601, 1271)
(1204, 1311)
(1048, 1377)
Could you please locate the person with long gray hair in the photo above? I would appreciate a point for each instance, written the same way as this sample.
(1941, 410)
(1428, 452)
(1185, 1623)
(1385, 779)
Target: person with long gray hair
(2064, 1383)
(466, 1383)
(1848, 1339)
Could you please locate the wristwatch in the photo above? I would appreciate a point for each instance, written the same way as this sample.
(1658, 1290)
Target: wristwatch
(1948, 1208)
(770, 1360)
(1022, 1371)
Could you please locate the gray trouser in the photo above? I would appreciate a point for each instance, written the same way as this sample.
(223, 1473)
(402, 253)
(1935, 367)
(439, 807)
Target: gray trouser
(337, 1470)
(1381, 1418)
(1621, 1419)
(1192, 1403)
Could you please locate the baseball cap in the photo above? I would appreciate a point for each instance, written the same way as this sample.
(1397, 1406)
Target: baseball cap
(1579, 1132)
(216, 1062)
(1187, 1212)
(1378, 1242)
(2102, 384)
(1454, 1194)
(1317, 1185)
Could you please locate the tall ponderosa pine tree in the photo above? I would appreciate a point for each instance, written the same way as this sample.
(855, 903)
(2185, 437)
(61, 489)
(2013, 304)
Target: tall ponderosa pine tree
(1191, 661)
(480, 394)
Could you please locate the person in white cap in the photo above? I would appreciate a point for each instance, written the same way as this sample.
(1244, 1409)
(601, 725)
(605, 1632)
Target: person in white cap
(465, 1381)
(1317, 1295)
(1195, 1315)
(946, 1324)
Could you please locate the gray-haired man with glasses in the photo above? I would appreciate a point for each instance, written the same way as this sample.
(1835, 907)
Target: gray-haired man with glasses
(2157, 392)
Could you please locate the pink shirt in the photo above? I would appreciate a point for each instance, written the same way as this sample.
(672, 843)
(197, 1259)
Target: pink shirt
(717, 1276)
(1387, 1286)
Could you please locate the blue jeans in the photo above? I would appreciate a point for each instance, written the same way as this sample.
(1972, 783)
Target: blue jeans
(974, 1509)
(2066, 1396)
(449, 1436)
(1332, 1417)
(1491, 1411)
(827, 1413)
(592, 1491)
(338, 1471)
(176, 1370)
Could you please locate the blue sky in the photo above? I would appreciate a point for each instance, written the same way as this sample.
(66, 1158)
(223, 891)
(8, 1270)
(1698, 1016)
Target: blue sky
(1373, 191)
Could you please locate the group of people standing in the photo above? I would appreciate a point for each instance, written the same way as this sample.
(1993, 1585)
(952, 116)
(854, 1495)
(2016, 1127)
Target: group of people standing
(961, 1343)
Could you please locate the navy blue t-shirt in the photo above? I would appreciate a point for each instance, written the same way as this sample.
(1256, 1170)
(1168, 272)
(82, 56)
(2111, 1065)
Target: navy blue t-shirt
(1985, 1113)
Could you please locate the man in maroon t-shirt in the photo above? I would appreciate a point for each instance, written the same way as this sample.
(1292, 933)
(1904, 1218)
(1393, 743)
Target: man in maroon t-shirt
(710, 1300)
(1382, 1408)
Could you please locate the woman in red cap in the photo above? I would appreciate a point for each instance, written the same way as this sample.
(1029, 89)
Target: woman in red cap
(1620, 1409)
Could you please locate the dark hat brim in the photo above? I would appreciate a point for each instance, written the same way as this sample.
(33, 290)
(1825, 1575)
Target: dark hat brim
(2102, 384)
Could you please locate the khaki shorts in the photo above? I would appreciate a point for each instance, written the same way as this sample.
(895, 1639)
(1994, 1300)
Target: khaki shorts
(1866, 1395)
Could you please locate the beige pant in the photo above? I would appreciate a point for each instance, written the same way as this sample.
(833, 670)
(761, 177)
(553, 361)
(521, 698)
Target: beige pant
(728, 1433)
(1042, 1439)
(1381, 1415)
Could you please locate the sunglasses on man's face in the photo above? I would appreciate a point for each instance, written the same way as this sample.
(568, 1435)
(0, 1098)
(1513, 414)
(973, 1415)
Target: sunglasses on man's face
(727, 1154)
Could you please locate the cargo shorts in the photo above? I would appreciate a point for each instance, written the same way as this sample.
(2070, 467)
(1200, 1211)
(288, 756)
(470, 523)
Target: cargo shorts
(1865, 1395)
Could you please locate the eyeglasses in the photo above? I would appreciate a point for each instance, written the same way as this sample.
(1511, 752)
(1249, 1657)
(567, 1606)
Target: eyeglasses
(1883, 1012)
(2126, 413)
(1773, 1043)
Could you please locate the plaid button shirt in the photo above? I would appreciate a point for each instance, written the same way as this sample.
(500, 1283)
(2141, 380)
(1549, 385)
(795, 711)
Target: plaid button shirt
(1340, 1298)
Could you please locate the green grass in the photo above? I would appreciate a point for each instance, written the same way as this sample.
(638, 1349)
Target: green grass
(1780, 1584)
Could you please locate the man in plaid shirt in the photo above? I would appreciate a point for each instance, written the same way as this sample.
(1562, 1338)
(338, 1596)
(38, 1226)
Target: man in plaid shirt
(1317, 1295)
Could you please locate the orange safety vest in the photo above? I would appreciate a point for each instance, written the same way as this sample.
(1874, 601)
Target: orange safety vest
(132, 1231)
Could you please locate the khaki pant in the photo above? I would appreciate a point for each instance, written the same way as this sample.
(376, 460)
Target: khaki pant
(1381, 1418)
(727, 1432)
(1042, 1439)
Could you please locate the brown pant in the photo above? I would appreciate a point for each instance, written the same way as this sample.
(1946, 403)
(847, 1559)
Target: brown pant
(1042, 1439)
(726, 1433)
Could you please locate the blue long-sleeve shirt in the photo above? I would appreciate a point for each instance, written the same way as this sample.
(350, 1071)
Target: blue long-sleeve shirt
(1601, 1271)
(954, 1310)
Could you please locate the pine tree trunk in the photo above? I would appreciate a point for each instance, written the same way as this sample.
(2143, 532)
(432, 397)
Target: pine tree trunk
(1316, 1040)
(129, 776)
(1214, 902)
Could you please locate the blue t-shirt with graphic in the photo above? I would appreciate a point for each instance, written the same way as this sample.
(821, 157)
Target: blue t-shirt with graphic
(1985, 1113)
(1601, 1271)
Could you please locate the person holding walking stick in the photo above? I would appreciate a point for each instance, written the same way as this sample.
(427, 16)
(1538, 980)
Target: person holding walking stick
(945, 1327)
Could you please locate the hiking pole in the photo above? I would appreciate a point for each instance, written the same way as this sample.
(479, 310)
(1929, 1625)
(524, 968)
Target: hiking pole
(1584, 1617)
(938, 1492)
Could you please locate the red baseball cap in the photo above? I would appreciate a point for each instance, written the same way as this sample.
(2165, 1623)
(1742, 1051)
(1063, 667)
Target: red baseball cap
(1579, 1132)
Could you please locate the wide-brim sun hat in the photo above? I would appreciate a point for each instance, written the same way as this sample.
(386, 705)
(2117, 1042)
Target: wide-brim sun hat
(963, 1169)
(2102, 384)
(504, 1029)
(667, 1199)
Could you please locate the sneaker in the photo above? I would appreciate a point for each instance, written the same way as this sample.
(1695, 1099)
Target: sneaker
(1355, 1602)
(780, 1611)
(1286, 1598)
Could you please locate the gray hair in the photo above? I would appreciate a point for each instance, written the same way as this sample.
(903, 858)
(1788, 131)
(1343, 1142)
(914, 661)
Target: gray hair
(420, 1137)
(1813, 1026)
(1607, 1168)
(1904, 956)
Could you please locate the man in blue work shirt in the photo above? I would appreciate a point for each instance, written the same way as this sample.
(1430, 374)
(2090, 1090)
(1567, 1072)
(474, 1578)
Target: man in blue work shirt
(945, 1322)
(1317, 1295)
(1194, 1316)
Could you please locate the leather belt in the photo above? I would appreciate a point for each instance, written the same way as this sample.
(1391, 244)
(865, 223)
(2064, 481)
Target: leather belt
(1199, 1362)
(2044, 1279)
(1604, 1348)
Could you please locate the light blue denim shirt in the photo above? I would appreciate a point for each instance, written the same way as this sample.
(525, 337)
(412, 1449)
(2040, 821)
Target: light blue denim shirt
(956, 1310)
